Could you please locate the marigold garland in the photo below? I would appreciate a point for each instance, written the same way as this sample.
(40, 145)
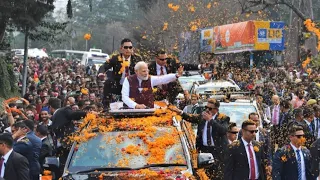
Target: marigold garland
(311, 27)
(124, 64)
(155, 149)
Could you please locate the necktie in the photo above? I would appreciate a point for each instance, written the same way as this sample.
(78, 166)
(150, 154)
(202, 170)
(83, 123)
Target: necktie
(1, 164)
(164, 86)
(275, 115)
(252, 165)
(126, 70)
(299, 165)
(209, 133)
(311, 126)
(161, 71)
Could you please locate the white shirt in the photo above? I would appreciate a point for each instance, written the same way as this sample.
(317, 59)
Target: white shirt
(204, 133)
(124, 72)
(43, 138)
(159, 69)
(303, 168)
(258, 135)
(254, 158)
(49, 123)
(155, 81)
(5, 157)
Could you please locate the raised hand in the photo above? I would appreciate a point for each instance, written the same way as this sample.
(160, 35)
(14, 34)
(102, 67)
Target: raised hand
(180, 70)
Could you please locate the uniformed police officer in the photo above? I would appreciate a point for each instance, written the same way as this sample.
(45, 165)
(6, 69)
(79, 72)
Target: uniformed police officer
(22, 144)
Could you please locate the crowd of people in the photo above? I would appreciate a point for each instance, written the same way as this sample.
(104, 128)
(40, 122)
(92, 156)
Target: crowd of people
(61, 92)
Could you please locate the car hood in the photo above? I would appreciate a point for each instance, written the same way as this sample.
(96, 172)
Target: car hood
(123, 176)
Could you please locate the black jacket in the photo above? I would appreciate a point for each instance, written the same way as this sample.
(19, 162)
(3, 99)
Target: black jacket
(236, 161)
(284, 165)
(17, 167)
(174, 88)
(219, 131)
(62, 124)
(46, 150)
(112, 84)
(115, 63)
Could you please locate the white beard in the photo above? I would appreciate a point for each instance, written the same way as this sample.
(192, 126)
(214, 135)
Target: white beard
(143, 78)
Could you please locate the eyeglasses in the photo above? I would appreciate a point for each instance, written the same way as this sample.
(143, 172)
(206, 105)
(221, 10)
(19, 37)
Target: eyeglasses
(209, 108)
(127, 47)
(163, 59)
(233, 132)
(252, 131)
(299, 136)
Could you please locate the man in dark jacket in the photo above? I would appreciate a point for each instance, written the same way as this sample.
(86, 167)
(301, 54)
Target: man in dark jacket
(36, 147)
(211, 135)
(24, 146)
(165, 65)
(245, 158)
(46, 148)
(16, 166)
(62, 126)
(293, 161)
(122, 65)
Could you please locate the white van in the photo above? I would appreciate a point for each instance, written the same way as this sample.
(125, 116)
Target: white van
(94, 58)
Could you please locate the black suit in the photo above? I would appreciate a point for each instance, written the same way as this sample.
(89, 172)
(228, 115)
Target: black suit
(174, 88)
(219, 136)
(62, 124)
(112, 84)
(46, 150)
(62, 127)
(16, 168)
(284, 166)
(236, 161)
(310, 138)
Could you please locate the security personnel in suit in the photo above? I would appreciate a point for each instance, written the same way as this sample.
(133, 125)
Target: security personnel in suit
(46, 148)
(293, 161)
(36, 147)
(13, 165)
(23, 145)
(165, 65)
(245, 158)
(211, 135)
(123, 66)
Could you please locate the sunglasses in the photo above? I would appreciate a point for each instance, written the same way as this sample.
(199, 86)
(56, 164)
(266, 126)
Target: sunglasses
(233, 132)
(209, 108)
(299, 136)
(163, 59)
(252, 131)
(127, 47)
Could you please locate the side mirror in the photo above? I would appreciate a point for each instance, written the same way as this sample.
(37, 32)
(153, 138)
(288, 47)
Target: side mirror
(205, 160)
(51, 163)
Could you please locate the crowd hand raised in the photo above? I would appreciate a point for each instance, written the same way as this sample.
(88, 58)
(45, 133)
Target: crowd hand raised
(206, 116)
(140, 106)
(18, 133)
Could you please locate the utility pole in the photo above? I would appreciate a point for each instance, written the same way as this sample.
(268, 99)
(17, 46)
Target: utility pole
(25, 58)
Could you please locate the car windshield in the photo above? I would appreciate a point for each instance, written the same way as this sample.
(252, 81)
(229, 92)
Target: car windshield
(202, 90)
(237, 113)
(95, 61)
(133, 149)
(187, 81)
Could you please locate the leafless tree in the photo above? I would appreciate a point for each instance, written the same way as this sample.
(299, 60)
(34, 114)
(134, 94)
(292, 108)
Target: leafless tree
(254, 6)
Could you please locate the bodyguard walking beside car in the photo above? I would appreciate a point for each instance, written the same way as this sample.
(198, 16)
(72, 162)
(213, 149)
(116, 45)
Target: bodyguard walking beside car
(211, 135)
(245, 158)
